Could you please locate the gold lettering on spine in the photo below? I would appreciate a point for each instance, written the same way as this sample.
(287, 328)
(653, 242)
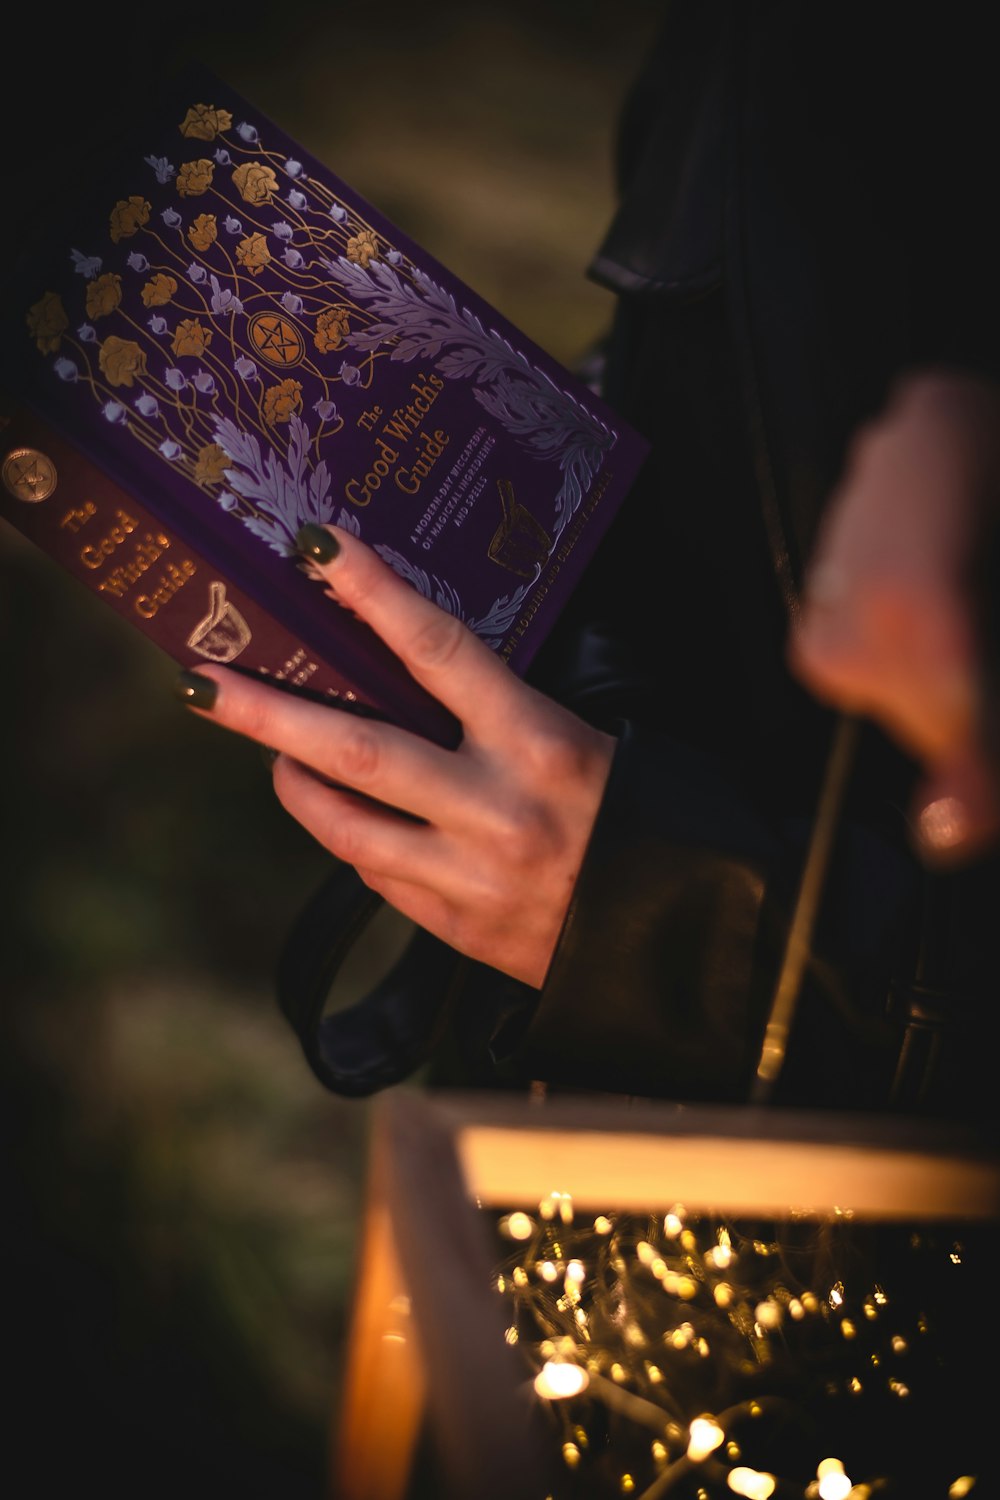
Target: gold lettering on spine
(174, 577)
(93, 556)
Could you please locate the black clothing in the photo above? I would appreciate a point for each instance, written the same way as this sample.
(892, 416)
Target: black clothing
(780, 254)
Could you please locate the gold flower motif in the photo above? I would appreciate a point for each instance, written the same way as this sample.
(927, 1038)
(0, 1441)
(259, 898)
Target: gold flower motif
(195, 177)
(331, 329)
(158, 290)
(253, 254)
(191, 337)
(128, 217)
(122, 360)
(362, 247)
(255, 183)
(47, 322)
(103, 295)
(203, 122)
(282, 402)
(211, 464)
(203, 232)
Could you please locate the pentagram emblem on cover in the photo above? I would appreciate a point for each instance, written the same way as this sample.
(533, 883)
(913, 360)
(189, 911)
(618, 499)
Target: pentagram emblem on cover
(276, 340)
(28, 475)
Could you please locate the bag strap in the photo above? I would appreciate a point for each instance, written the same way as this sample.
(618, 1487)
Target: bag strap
(384, 1037)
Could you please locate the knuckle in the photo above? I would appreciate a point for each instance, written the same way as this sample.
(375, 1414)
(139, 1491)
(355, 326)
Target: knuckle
(558, 759)
(365, 583)
(521, 836)
(349, 844)
(437, 641)
(358, 757)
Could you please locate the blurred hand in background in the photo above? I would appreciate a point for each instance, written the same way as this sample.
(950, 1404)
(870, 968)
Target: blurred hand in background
(898, 600)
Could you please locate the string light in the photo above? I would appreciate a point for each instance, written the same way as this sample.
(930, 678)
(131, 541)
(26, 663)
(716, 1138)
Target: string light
(558, 1379)
(691, 1357)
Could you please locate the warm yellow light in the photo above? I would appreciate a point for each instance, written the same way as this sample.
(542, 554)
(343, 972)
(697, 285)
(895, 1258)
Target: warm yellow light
(645, 1252)
(705, 1436)
(767, 1314)
(720, 1256)
(962, 1486)
(518, 1226)
(571, 1455)
(602, 1224)
(833, 1482)
(576, 1271)
(546, 1270)
(752, 1483)
(672, 1225)
(559, 1379)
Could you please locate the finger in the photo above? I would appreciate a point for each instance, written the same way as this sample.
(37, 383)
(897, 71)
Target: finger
(369, 837)
(441, 652)
(380, 760)
(957, 813)
(902, 655)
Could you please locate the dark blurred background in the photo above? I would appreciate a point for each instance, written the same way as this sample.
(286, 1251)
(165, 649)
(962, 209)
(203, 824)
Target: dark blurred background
(181, 1199)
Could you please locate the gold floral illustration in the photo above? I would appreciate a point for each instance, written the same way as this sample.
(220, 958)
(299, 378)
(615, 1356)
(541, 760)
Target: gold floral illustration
(158, 290)
(195, 177)
(253, 254)
(282, 402)
(191, 337)
(103, 295)
(47, 322)
(203, 231)
(255, 183)
(122, 360)
(203, 122)
(128, 217)
(331, 328)
(211, 464)
(362, 247)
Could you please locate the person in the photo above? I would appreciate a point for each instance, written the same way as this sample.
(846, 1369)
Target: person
(603, 873)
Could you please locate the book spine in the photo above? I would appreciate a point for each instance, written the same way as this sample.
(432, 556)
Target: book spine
(141, 568)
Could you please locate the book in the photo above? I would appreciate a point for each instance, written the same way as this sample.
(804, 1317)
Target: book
(219, 341)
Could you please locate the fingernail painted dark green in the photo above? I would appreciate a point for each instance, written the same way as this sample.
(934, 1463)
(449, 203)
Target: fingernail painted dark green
(196, 691)
(318, 543)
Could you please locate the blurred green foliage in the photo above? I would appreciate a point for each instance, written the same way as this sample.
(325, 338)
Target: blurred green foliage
(182, 1198)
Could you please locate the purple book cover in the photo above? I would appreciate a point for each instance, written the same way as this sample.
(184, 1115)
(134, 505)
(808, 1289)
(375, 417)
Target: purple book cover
(242, 344)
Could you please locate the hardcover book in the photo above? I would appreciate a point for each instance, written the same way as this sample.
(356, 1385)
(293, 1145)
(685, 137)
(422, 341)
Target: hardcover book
(222, 342)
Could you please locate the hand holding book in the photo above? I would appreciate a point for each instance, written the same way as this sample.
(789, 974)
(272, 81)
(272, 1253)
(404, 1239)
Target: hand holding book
(480, 844)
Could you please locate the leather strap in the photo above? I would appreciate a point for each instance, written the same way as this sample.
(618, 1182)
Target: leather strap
(382, 1038)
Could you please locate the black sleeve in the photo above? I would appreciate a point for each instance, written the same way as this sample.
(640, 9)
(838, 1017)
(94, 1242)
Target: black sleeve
(665, 970)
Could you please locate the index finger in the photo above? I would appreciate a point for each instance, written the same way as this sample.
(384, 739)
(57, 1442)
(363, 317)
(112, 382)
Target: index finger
(437, 648)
